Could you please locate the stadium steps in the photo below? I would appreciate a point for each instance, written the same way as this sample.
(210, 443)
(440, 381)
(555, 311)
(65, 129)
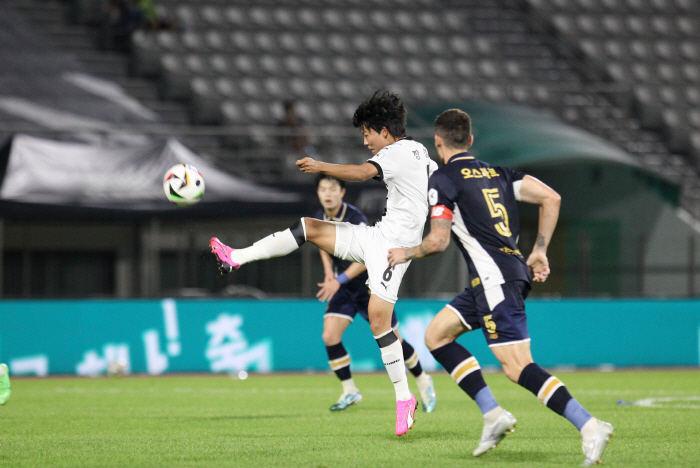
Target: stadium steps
(53, 18)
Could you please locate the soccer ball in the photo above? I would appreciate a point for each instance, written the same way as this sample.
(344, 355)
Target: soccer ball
(183, 185)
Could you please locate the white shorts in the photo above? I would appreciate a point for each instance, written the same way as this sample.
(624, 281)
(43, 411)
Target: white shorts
(367, 245)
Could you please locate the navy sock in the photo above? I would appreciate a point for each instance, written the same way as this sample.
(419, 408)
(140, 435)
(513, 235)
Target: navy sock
(339, 360)
(465, 370)
(553, 393)
(410, 357)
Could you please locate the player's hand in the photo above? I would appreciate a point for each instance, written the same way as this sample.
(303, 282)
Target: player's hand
(328, 277)
(328, 289)
(309, 166)
(538, 263)
(396, 257)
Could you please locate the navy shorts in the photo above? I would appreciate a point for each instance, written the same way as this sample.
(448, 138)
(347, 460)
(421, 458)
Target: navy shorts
(348, 302)
(506, 324)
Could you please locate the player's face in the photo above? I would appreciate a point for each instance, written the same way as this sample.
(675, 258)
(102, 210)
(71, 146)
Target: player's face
(375, 141)
(330, 195)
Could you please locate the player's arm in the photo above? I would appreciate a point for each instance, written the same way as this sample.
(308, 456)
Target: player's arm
(436, 241)
(349, 172)
(327, 265)
(535, 192)
(332, 285)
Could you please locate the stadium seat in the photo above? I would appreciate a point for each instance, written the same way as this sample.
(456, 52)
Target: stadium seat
(464, 68)
(367, 66)
(435, 45)
(217, 41)
(295, 65)
(276, 88)
(174, 82)
(690, 51)
(392, 67)
(388, 44)
(221, 64)
(362, 44)
(236, 17)
(460, 46)
(441, 68)
(245, 65)
(308, 18)
(284, 18)
(691, 73)
(314, 44)
(271, 65)
(333, 19)
(144, 59)
(338, 43)
(242, 42)
(250, 88)
(300, 88)
(260, 17)
(323, 89)
(211, 17)
(193, 42)
(205, 104)
(265, 42)
(416, 68)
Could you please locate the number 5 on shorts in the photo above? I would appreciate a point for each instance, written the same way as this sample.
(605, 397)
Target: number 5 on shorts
(489, 324)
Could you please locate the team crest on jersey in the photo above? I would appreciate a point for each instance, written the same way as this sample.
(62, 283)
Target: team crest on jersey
(416, 154)
(432, 196)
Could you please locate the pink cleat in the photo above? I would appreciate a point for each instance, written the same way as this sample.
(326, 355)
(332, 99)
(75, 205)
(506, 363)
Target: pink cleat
(405, 411)
(223, 256)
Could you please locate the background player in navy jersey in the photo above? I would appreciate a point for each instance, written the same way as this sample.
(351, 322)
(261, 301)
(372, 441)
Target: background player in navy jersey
(345, 288)
(404, 166)
(477, 203)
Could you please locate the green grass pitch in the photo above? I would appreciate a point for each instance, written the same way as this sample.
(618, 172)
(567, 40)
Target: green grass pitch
(284, 421)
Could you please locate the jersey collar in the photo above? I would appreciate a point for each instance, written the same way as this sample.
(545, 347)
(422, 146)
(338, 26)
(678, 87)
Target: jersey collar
(461, 157)
(341, 213)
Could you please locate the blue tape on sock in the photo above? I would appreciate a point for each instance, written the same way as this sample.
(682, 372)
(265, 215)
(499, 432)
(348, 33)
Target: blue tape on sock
(485, 400)
(576, 413)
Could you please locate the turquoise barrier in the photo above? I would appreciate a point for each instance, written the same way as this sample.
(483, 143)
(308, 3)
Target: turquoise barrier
(86, 337)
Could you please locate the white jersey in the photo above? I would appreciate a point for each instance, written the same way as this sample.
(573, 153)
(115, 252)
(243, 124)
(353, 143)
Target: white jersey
(405, 168)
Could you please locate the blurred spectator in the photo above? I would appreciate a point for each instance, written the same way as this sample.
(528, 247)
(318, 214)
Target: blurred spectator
(295, 135)
(295, 141)
(123, 17)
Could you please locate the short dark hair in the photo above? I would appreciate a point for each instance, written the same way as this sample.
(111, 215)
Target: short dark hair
(454, 126)
(383, 109)
(321, 177)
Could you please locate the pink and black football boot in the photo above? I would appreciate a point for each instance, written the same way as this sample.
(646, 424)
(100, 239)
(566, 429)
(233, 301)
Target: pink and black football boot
(223, 256)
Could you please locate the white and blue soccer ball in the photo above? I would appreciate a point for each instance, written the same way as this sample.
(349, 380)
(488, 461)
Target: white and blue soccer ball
(183, 185)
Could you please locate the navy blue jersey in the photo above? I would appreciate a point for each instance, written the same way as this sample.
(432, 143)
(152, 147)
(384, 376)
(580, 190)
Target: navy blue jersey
(347, 214)
(481, 202)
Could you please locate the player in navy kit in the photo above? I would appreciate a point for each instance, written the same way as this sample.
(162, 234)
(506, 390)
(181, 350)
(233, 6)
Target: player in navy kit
(345, 289)
(477, 203)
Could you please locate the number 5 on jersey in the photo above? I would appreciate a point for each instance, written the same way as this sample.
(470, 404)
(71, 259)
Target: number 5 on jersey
(497, 211)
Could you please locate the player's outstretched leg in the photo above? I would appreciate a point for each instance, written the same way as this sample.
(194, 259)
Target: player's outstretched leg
(423, 380)
(339, 360)
(5, 390)
(466, 372)
(392, 356)
(275, 245)
(553, 393)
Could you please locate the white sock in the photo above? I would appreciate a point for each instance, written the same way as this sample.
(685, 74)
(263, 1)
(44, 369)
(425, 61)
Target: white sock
(392, 356)
(2, 372)
(275, 245)
(490, 417)
(349, 386)
(589, 429)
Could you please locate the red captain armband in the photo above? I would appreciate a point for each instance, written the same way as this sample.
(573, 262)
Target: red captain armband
(441, 212)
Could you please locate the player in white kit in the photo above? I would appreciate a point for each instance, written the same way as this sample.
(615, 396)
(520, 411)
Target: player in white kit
(405, 167)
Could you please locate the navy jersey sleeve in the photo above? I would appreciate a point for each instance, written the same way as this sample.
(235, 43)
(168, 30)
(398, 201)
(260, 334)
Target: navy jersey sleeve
(441, 191)
(513, 176)
(355, 216)
(318, 214)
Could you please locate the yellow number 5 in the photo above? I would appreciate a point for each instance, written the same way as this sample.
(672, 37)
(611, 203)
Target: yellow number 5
(489, 324)
(497, 211)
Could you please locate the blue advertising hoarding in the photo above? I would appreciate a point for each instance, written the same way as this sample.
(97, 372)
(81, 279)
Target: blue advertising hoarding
(186, 335)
